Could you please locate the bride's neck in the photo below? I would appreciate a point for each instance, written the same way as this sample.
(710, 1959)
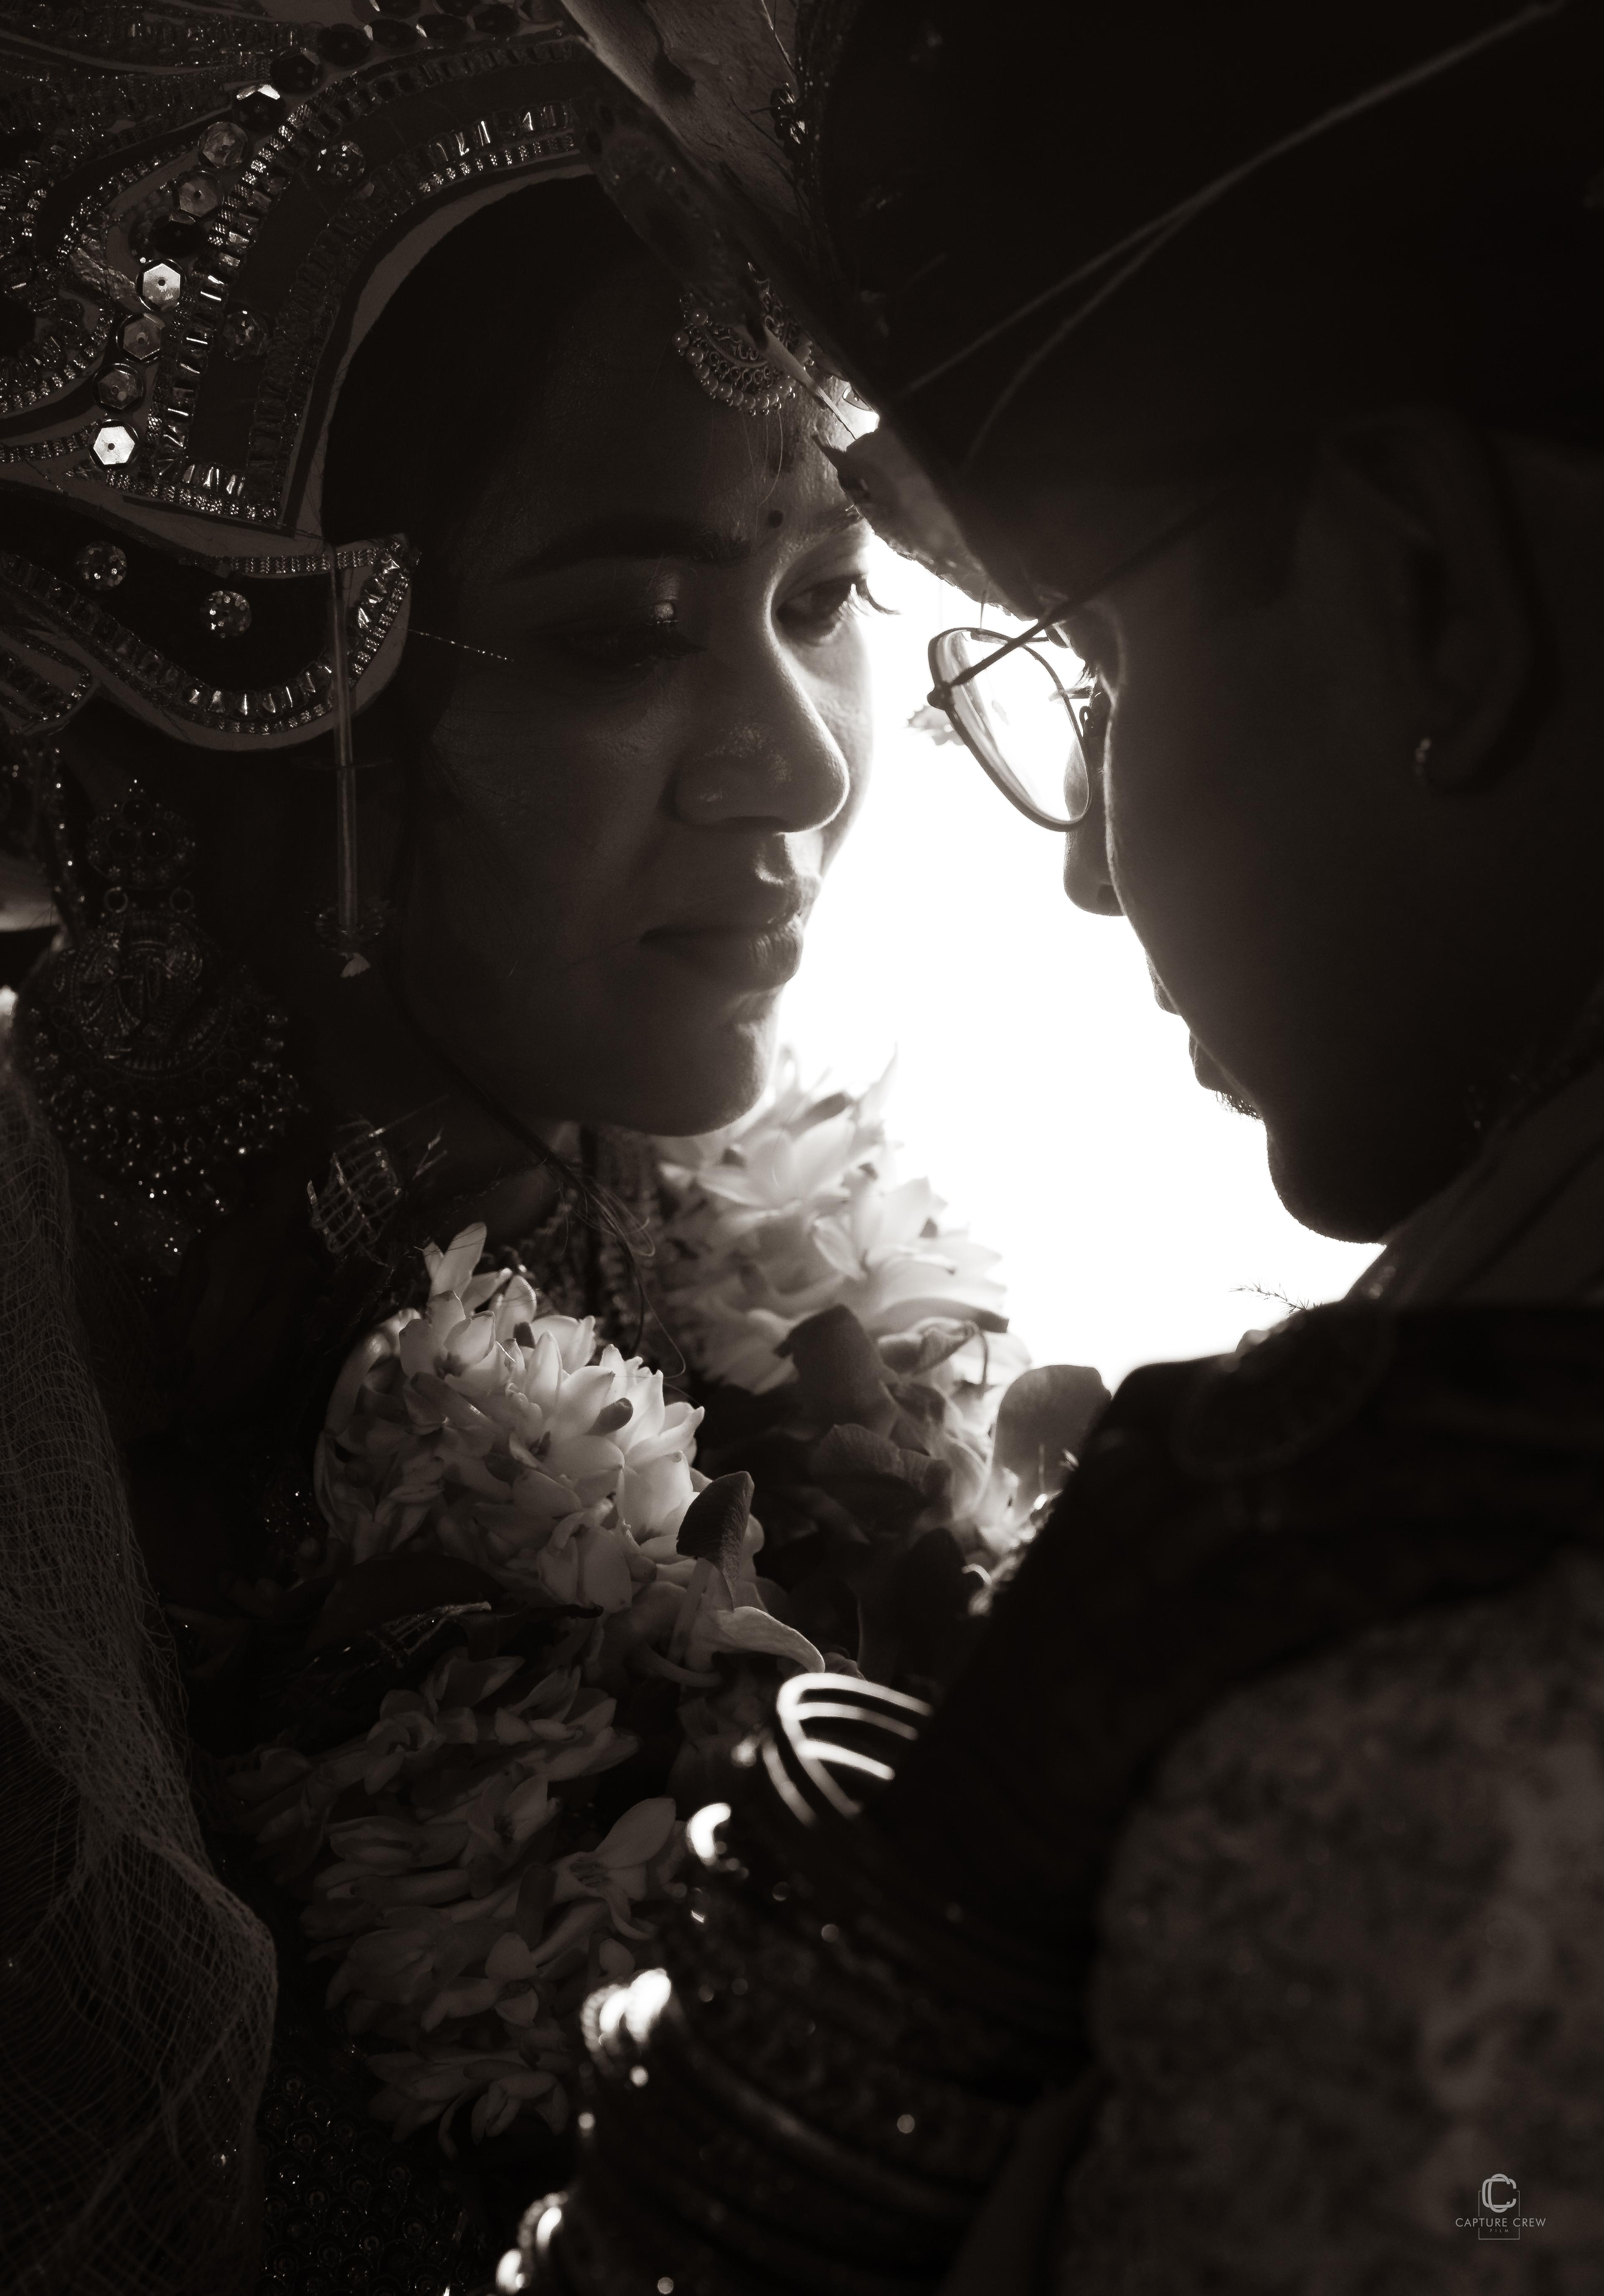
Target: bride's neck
(472, 1181)
(457, 1155)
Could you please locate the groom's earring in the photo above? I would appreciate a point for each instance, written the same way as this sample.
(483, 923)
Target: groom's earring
(156, 1061)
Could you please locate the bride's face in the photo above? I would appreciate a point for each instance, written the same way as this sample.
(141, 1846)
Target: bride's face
(640, 754)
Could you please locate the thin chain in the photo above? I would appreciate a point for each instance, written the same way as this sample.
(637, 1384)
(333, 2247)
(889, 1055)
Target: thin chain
(437, 638)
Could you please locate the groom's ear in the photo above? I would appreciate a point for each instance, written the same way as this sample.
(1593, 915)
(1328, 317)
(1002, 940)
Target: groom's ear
(1420, 500)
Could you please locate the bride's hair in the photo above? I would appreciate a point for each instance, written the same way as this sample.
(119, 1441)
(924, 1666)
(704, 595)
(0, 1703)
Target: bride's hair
(458, 353)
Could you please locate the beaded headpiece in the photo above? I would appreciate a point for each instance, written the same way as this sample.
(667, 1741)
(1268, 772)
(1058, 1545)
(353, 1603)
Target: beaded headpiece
(732, 367)
(201, 214)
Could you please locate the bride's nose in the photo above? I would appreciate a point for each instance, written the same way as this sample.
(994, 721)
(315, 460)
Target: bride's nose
(759, 749)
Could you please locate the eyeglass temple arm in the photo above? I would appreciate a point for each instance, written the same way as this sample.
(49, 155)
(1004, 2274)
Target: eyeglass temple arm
(1036, 630)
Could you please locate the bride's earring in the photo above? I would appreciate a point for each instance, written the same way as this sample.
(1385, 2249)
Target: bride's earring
(156, 1060)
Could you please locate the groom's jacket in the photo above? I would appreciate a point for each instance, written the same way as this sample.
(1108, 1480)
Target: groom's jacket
(1289, 1739)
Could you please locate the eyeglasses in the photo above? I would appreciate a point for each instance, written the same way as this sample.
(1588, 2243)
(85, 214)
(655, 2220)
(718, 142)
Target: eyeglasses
(1037, 735)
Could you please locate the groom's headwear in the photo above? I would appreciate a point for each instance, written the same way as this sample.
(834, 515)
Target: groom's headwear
(1085, 259)
(1096, 256)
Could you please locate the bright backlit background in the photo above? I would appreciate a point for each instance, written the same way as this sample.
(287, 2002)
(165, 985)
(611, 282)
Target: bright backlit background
(1037, 1083)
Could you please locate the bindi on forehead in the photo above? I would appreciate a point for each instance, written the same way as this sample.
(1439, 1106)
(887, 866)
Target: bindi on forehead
(653, 533)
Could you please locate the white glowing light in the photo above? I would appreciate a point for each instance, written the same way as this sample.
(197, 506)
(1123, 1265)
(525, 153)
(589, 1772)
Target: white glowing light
(1038, 1084)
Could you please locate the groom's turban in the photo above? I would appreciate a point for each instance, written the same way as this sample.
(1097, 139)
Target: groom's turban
(1089, 258)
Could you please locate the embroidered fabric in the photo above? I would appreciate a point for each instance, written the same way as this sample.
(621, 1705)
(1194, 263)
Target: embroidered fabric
(135, 1992)
(136, 1988)
(341, 2212)
(345, 2210)
(1353, 1965)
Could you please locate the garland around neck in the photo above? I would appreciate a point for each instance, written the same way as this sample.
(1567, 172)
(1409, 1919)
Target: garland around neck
(448, 1859)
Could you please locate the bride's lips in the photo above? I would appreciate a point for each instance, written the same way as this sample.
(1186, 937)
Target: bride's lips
(749, 946)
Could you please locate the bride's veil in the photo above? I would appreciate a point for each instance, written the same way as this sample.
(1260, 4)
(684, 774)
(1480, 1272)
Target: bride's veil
(137, 1993)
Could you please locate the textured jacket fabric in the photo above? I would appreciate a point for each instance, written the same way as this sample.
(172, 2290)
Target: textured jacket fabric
(1352, 1966)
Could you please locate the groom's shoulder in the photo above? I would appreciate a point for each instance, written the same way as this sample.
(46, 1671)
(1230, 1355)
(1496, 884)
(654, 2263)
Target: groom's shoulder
(1370, 1854)
(1351, 1467)
(1358, 1389)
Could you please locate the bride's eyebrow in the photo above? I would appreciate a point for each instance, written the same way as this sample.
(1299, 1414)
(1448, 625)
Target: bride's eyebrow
(657, 536)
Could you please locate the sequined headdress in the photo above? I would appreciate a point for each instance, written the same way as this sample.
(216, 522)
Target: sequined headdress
(201, 213)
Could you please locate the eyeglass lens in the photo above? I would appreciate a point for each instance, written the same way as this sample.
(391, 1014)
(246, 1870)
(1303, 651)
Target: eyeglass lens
(1023, 721)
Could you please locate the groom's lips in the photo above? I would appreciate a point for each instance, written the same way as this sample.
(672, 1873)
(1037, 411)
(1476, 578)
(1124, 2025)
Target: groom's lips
(1208, 1071)
(1212, 1078)
(752, 944)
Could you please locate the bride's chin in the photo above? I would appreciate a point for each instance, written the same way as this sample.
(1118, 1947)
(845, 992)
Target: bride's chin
(695, 1079)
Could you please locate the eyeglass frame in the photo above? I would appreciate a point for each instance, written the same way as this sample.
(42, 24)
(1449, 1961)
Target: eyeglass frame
(941, 691)
(940, 697)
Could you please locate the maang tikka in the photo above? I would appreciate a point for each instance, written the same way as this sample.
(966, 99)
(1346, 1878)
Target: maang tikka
(755, 377)
(156, 1060)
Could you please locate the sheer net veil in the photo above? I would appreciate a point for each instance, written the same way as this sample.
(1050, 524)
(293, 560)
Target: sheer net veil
(137, 1993)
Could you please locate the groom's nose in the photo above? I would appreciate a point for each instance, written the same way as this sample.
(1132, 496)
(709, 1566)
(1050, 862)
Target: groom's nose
(760, 750)
(1087, 878)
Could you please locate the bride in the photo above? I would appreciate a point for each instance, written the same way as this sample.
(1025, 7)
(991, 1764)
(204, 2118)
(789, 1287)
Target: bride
(430, 684)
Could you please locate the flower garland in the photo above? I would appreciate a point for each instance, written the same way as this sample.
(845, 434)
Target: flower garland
(524, 1509)
(793, 1217)
(795, 1208)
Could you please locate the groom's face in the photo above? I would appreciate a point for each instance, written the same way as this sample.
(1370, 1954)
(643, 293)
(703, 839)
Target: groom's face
(1357, 955)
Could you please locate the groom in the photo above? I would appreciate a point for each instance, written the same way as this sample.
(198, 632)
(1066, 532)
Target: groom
(1264, 353)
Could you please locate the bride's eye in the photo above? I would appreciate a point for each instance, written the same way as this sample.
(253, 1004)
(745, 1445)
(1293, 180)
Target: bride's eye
(623, 646)
(818, 611)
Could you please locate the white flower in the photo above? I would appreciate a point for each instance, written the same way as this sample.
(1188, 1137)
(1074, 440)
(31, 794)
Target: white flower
(421, 2086)
(795, 1210)
(449, 1922)
(746, 1628)
(615, 1870)
(487, 1430)
(483, 1429)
